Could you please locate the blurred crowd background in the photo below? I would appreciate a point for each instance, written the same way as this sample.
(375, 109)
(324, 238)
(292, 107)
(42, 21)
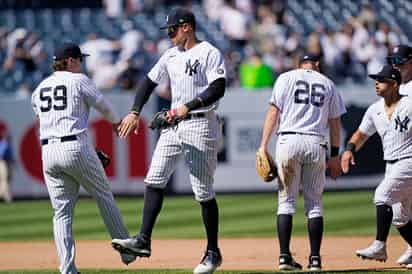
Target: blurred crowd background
(260, 38)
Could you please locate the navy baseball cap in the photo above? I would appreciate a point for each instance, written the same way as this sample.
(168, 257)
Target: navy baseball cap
(399, 55)
(387, 73)
(309, 57)
(178, 17)
(68, 50)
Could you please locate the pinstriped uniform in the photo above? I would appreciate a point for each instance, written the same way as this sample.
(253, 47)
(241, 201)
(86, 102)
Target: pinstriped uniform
(189, 73)
(406, 89)
(67, 165)
(306, 100)
(396, 134)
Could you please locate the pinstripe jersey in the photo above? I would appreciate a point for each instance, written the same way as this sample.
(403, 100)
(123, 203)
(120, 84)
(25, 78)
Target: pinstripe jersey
(189, 71)
(396, 133)
(306, 100)
(62, 102)
(406, 89)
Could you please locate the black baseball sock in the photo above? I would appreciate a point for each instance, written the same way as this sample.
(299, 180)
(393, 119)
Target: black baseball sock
(210, 215)
(384, 216)
(153, 201)
(284, 224)
(406, 232)
(315, 229)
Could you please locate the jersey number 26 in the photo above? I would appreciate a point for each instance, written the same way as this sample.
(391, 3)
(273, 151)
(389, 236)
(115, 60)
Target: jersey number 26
(304, 94)
(53, 98)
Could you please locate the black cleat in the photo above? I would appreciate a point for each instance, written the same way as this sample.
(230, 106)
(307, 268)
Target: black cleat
(135, 246)
(286, 262)
(315, 263)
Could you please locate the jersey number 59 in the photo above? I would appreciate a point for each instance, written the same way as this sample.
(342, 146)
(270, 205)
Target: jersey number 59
(305, 94)
(53, 98)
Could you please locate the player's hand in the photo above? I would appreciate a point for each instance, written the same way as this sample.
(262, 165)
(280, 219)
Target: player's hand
(182, 111)
(334, 166)
(129, 123)
(347, 160)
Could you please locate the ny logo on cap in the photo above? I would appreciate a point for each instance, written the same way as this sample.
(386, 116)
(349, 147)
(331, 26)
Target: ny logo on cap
(402, 125)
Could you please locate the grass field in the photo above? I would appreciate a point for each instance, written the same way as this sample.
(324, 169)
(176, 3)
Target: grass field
(246, 215)
(243, 215)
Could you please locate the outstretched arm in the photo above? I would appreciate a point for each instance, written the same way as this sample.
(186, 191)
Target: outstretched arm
(131, 121)
(355, 143)
(333, 162)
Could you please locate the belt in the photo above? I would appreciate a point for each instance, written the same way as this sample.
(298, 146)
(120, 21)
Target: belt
(395, 160)
(62, 139)
(297, 133)
(195, 115)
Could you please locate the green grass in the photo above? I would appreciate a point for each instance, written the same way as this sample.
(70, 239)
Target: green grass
(242, 215)
(159, 271)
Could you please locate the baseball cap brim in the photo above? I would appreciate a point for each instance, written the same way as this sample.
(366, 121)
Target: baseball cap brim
(167, 26)
(379, 78)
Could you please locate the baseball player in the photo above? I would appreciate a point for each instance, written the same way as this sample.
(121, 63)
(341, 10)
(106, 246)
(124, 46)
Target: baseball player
(196, 72)
(304, 102)
(389, 117)
(62, 103)
(401, 58)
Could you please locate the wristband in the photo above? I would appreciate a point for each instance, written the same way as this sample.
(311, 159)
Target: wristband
(172, 113)
(351, 147)
(334, 151)
(134, 112)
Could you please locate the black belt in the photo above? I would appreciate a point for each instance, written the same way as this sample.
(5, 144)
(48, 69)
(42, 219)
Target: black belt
(62, 139)
(395, 160)
(297, 133)
(195, 115)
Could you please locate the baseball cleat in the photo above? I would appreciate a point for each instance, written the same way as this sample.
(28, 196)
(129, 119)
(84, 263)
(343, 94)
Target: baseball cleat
(376, 251)
(287, 263)
(406, 257)
(210, 261)
(127, 258)
(134, 246)
(315, 263)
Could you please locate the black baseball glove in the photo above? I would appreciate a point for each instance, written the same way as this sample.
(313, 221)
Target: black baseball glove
(103, 157)
(164, 119)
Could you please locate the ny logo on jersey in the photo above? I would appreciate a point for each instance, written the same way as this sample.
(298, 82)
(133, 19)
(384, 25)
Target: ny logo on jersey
(192, 68)
(402, 125)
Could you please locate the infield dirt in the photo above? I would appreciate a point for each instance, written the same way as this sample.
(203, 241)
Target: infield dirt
(338, 253)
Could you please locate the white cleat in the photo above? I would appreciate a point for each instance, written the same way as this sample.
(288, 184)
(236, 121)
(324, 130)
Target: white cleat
(406, 257)
(210, 261)
(376, 251)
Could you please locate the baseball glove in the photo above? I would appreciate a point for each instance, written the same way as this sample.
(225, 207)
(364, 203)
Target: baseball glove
(265, 166)
(160, 119)
(103, 157)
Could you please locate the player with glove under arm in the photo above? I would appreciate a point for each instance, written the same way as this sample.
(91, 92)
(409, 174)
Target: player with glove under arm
(196, 72)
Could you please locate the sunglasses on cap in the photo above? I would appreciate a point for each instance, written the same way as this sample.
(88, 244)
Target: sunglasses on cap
(397, 60)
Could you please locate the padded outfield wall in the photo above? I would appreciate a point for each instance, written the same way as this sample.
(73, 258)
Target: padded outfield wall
(243, 113)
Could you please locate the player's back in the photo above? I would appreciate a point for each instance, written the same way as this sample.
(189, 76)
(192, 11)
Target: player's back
(304, 99)
(60, 105)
